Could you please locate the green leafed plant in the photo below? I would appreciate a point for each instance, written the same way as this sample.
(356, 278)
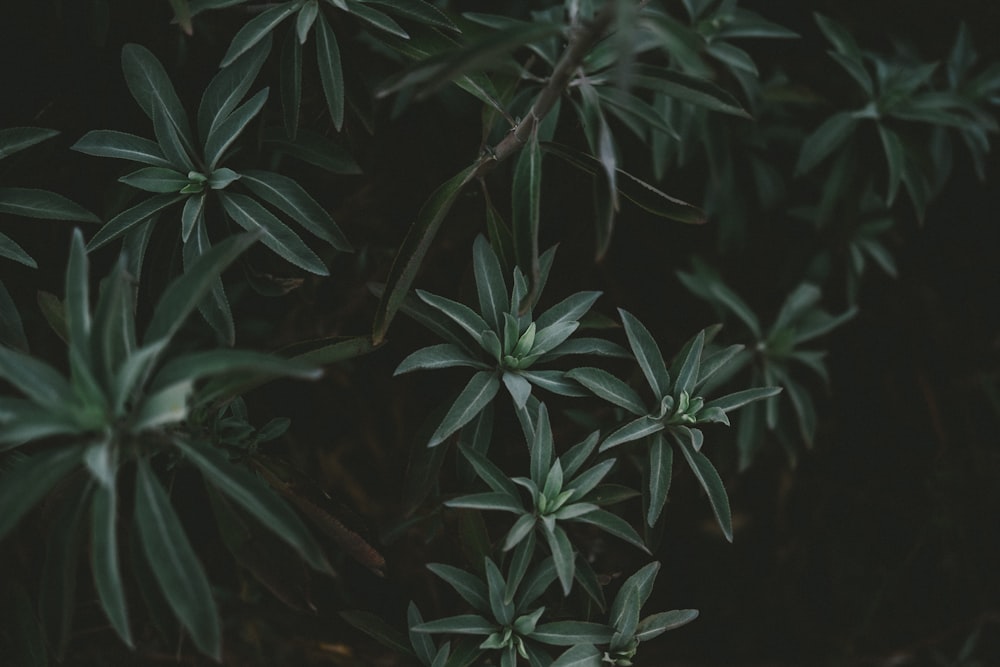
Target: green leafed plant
(122, 410)
(181, 169)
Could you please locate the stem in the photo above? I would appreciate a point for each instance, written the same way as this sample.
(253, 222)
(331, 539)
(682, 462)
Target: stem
(582, 40)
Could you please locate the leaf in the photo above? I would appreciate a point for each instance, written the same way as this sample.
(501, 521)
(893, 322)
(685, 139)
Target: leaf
(740, 398)
(570, 309)
(156, 179)
(257, 29)
(331, 74)
(226, 132)
(581, 655)
(151, 87)
(686, 88)
(656, 624)
(185, 293)
(489, 500)
(688, 374)
(273, 233)
(855, 67)
(463, 624)
(479, 391)
(314, 148)
(423, 646)
(56, 598)
(634, 430)
(443, 355)
(174, 563)
(417, 10)
(661, 465)
(525, 215)
(709, 479)
(379, 630)
(15, 139)
(257, 499)
(489, 472)
(827, 138)
(468, 319)
(375, 18)
(491, 287)
(32, 203)
(104, 560)
(607, 386)
(214, 306)
(12, 251)
(634, 591)
(413, 249)
(503, 611)
(839, 36)
(469, 587)
(11, 327)
(37, 380)
(227, 88)
(289, 197)
(130, 218)
(562, 556)
(895, 155)
(194, 366)
(570, 633)
(553, 381)
(614, 525)
(305, 20)
(109, 143)
(291, 86)
(647, 353)
(518, 386)
(30, 479)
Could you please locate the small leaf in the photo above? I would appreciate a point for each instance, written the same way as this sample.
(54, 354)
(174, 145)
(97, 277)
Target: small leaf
(519, 388)
(273, 233)
(479, 391)
(413, 249)
(32, 203)
(330, 72)
(109, 143)
(174, 563)
(305, 20)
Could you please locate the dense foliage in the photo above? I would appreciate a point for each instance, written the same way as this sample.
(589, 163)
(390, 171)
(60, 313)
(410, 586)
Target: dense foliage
(235, 236)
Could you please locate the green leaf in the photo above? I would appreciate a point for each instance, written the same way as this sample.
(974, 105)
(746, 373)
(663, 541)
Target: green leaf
(661, 464)
(636, 590)
(194, 366)
(11, 250)
(647, 353)
(468, 319)
(32, 203)
(688, 374)
(740, 398)
(375, 18)
(464, 624)
(413, 249)
(227, 88)
(562, 556)
(839, 36)
(379, 630)
(489, 472)
(570, 633)
(37, 380)
(717, 361)
(104, 560)
(129, 218)
(185, 293)
(526, 213)
(291, 86)
(443, 355)
(570, 309)
(273, 233)
(423, 646)
(257, 499)
(553, 381)
(686, 88)
(895, 155)
(290, 198)
(14, 139)
(222, 178)
(489, 500)
(614, 525)
(214, 307)
(855, 67)
(491, 287)
(503, 611)
(469, 587)
(709, 479)
(30, 479)
(656, 624)
(109, 143)
(151, 87)
(305, 20)
(607, 386)
(314, 148)
(634, 430)
(542, 448)
(331, 74)
(226, 132)
(581, 655)
(827, 138)
(11, 327)
(417, 10)
(257, 29)
(174, 563)
(156, 179)
(518, 386)
(169, 405)
(479, 391)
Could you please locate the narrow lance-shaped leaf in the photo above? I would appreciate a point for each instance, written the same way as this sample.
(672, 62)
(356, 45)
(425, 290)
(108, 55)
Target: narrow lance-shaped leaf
(27, 482)
(634, 430)
(413, 249)
(214, 307)
(331, 74)
(709, 479)
(12, 251)
(174, 564)
(42, 204)
(491, 287)
(109, 143)
(656, 624)
(276, 235)
(36, 380)
(14, 139)
(292, 199)
(688, 374)
(291, 85)
(129, 218)
(375, 18)
(661, 466)
(827, 138)
(151, 87)
(228, 87)
(526, 212)
(257, 29)
(607, 386)
(468, 586)
(479, 391)
(226, 132)
(647, 353)
(104, 557)
(686, 88)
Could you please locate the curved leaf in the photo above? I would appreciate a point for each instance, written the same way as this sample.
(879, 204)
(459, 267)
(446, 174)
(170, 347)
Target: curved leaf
(647, 353)
(109, 143)
(33, 203)
(27, 481)
(14, 139)
(709, 479)
(607, 386)
(129, 218)
(151, 87)
(228, 87)
(331, 74)
(257, 29)
(227, 131)
(276, 235)
(479, 391)
(104, 559)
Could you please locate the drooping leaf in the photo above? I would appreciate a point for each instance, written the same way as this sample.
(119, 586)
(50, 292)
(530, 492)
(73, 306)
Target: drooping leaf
(634, 430)
(273, 233)
(174, 564)
(34, 203)
(413, 249)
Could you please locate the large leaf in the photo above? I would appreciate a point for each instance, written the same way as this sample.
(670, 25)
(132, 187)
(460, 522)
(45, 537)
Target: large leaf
(109, 143)
(273, 233)
(229, 86)
(479, 391)
(413, 249)
(151, 87)
(28, 480)
(255, 497)
(185, 293)
(174, 564)
(14, 139)
(104, 559)
(290, 198)
(33, 203)
(331, 74)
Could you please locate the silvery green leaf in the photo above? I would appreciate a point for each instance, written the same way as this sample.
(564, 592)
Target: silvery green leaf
(503, 611)
(443, 355)
(479, 391)
(228, 87)
(585, 482)
(688, 374)
(256, 29)
(647, 353)
(570, 309)
(614, 525)
(109, 143)
(570, 633)
(553, 381)
(519, 388)
(550, 337)
(488, 500)
(273, 233)
(463, 624)
(522, 528)
(490, 284)
(634, 430)
(469, 587)
(562, 557)
(656, 624)
(226, 132)
(708, 477)
(581, 655)
(489, 472)
(605, 385)
(462, 315)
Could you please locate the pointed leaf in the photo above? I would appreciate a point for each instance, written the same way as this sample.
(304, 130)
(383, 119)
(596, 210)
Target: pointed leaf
(104, 559)
(331, 74)
(291, 85)
(491, 287)
(519, 388)
(463, 624)
(562, 556)
(661, 464)
(607, 386)
(227, 88)
(14, 139)
(32, 203)
(489, 500)
(151, 87)
(656, 624)
(257, 29)
(28, 480)
(638, 428)
(468, 586)
(647, 353)
(479, 391)
(614, 525)
(273, 233)
(581, 655)
(688, 374)
(109, 143)
(156, 179)
(827, 138)
(443, 355)
(130, 218)
(709, 479)
(489, 472)
(36, 380)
